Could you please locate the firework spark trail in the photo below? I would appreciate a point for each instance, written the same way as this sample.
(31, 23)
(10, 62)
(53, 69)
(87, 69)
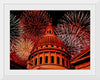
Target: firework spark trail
(74, 37)
(23, 47)
(73, 29)
(80, 17)
(14, 33)
(34, 23)
(13, 27)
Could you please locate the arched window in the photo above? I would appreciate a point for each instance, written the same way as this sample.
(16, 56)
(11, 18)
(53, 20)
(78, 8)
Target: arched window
(32, 57)
(62, 61)
(40, 60)
(36, 61)
(52, 59)
(66, 63)
(46, 59)
(58, 60)
(51, 45)
(49, 31)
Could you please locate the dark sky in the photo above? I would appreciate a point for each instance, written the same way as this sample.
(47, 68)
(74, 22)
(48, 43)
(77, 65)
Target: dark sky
(55, 15)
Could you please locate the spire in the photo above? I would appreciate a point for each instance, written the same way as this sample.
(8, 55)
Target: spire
(49, 30)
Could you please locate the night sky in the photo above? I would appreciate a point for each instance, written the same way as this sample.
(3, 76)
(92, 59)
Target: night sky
(55, 15)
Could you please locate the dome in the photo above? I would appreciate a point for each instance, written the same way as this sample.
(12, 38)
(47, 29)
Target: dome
(49, 39)
(49, 52)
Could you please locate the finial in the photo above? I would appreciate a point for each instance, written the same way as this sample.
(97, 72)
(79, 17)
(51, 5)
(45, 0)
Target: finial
(50, 24)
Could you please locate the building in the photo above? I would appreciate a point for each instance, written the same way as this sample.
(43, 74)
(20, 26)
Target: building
(49, 53)
(82, 60)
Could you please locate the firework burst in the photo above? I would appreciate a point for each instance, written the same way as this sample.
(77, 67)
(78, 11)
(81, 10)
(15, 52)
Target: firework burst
(23, 47)
(14, 33)
(34, 23)
(70, 31)
(80, 17)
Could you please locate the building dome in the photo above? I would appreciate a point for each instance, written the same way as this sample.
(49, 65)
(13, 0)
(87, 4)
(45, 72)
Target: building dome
(50, 39)
(49, 53)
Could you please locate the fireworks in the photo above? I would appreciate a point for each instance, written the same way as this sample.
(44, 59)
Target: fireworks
(14, 33)
(34, 23)
(73, 30)
(80, 17)
(23, 47)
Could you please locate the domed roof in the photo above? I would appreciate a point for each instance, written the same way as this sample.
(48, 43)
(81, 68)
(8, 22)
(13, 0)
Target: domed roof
(49, 39)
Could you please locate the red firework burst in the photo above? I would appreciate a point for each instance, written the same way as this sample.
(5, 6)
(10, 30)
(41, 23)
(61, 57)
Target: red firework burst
(33, 23)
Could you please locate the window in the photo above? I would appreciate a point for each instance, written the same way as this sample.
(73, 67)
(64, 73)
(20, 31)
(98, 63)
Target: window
(52, 59)
(46, 59)
(66, 63)
(40, 60)
(52, 51)
(36, 61)
(49, 31)
(58, 60)
(62, 61)
(51, 45)
(46, 45)
(46, 52)
(41, 46)
(32, 57)
(40, 52)
(35, 54)
(58, 52)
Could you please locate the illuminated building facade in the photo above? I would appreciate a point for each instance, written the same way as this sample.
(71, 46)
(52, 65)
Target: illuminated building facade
(82, 60)
(49, 53)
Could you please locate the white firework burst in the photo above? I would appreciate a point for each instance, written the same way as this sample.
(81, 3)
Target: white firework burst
(73, 37)
(23, 47)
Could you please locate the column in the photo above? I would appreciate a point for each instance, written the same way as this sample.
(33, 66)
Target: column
(49, 58)
(60, 59)
(38, 59)
(55, 59)
(43, 58)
